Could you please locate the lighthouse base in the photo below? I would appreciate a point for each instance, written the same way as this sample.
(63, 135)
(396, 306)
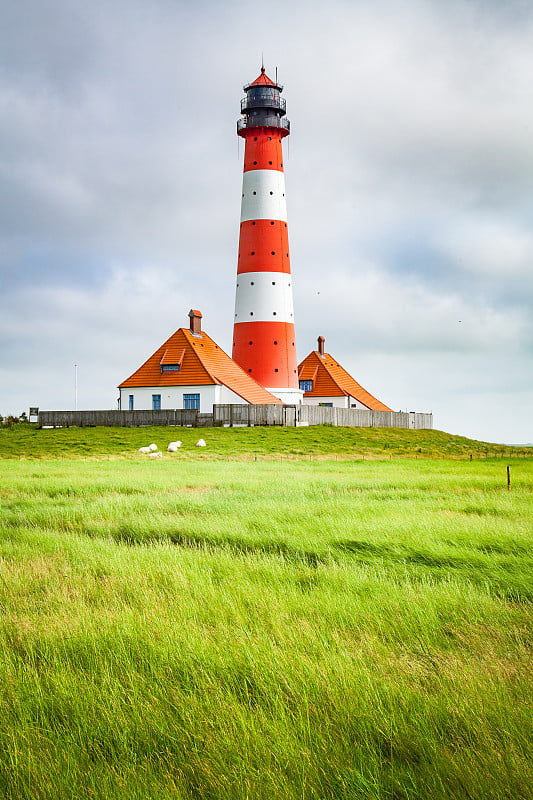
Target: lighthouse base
(289, 396)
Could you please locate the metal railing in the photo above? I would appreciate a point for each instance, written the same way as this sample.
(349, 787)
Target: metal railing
(263, 122)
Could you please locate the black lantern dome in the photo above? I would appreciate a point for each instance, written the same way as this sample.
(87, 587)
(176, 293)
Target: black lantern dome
(263, 107)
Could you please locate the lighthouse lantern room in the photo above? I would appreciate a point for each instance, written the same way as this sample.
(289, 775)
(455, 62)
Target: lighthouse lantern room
(263, 333)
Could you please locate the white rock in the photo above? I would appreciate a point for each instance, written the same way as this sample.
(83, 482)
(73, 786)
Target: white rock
(200, 443)
(153, 447)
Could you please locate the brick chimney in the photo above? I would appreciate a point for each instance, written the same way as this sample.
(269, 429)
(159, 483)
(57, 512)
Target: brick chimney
(321, 341)
(195, 324)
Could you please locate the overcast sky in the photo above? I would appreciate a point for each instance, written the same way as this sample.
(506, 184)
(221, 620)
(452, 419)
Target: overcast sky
(409, 175)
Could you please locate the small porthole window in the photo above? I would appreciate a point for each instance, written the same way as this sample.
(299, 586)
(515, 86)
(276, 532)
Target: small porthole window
(253, 223)
(255, 162)
(243, 194)
(251, 283)
(270, 162)
(281, 164)
(253, 252)
(273, 252)
(285, 224)
(255, 138)
(272, 222)
(275, 342)
(249, 370)
(254, 192)
(273, 283)
(251, 313)
(274, 314)
(276, 370)
(250, 342)
(270, 138)
(271, 192)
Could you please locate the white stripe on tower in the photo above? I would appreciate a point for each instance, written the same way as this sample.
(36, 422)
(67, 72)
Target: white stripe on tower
(263, 195)
(264, 297)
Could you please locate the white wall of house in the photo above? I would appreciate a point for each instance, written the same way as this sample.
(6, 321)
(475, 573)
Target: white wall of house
(172, 396)
(338, 402)
(225, 395)
(291, 397)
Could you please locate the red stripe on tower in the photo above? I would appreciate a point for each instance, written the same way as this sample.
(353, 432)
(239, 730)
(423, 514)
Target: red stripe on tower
(263, 332)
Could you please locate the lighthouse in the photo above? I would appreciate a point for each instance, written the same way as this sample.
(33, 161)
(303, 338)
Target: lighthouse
(263, 334)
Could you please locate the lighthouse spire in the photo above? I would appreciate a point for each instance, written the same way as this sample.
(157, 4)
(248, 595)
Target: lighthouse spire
(263, 332)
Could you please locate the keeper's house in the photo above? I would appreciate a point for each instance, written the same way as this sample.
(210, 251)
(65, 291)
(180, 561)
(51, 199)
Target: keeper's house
(190, 371)
(325, 383)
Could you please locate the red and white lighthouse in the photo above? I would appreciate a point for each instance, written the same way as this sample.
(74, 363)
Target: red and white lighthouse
(263, 334)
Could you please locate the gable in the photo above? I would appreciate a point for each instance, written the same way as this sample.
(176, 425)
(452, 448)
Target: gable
(332, 380)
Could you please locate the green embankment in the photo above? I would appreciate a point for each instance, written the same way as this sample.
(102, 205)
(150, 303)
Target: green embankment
(27, 441)
(199, 627)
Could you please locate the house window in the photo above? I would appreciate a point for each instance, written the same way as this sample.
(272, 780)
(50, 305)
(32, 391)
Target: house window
(326, 405)
(306, 386)
(170, 367)
(130, 402)
(156, 402)
(191, 401)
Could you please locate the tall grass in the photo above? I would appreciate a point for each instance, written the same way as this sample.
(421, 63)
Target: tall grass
(213, 629)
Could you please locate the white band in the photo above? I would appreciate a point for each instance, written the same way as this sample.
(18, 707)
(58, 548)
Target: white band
(263, 195)
(264, 297)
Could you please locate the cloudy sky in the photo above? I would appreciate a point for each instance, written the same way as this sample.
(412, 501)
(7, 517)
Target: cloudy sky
(409, 183)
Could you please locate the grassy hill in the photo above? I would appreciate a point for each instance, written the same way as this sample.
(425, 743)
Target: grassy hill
(28, 441)
(211, 627)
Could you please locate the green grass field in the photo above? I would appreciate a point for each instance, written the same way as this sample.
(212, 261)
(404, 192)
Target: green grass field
(209, 625)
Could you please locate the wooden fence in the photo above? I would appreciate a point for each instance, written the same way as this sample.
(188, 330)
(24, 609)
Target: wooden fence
(121, 419)
(240, 415)
(233, 415)
(361, 418)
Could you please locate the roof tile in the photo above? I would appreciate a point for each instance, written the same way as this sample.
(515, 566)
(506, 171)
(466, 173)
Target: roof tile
(202, 363)
(332, 380)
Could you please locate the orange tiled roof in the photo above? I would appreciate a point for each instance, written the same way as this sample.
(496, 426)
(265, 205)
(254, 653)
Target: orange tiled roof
(332, 380)
(202, 363)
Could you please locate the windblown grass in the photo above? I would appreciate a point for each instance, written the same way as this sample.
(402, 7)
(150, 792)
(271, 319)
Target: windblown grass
(213, 629)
